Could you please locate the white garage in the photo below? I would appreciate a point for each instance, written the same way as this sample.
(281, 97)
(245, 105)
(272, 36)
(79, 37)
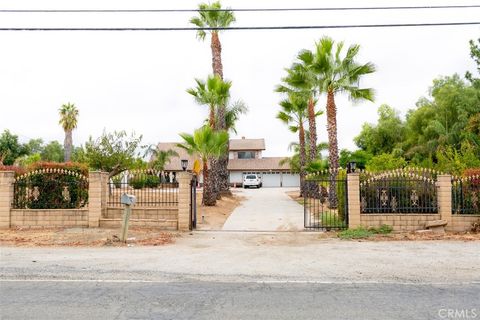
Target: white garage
(290, 179)
(271, 179)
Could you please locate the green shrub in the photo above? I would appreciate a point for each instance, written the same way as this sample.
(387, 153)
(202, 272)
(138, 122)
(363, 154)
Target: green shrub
(357, 233)
(383, 229)
(332, 220)
(152, 181)
(341, 194)
(51, 189)
(137, 182)
(361, 232)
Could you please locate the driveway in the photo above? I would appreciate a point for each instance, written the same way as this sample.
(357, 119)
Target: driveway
(266, 209)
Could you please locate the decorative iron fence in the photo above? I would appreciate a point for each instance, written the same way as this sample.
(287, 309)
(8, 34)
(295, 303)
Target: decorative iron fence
(466, 195)
(150, 187)
(325, 200)
(50, 189)
(398, 191)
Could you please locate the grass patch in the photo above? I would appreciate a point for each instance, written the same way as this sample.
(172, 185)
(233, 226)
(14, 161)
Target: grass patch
(362, 232)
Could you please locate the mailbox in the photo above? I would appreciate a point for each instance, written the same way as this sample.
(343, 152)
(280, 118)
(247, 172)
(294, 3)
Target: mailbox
(128, 199)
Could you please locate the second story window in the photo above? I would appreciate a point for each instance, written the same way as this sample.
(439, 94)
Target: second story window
(246, 155)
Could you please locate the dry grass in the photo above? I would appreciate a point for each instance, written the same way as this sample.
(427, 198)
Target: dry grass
(82, 237)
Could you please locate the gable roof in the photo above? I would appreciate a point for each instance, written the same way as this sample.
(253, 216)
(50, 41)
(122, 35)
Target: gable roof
(246, 144)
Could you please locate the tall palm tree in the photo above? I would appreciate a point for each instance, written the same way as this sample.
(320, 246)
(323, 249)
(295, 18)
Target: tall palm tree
(213, 93)
(301, 78)
(213, 16)
(68, 121)
(336, 73)
(294, 114)
(207, 144)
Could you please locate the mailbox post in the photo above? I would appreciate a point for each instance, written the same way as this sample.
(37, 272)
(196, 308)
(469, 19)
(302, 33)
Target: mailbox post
(128, 200)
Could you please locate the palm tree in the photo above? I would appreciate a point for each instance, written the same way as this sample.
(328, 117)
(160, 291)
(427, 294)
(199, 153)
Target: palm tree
(68, 121)
(232, 114)
(301, 78)
(335, 74)
(213, 16)
(213, 93)
(160, 158)
(207, 144)
(293, 114)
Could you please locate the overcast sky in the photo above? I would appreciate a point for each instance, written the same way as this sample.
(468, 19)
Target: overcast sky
(137, 80)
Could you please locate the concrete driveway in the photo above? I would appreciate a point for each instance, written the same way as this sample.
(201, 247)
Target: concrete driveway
(266, 209)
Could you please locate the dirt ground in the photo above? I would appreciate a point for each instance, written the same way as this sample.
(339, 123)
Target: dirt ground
(78, 237)
(215, 217)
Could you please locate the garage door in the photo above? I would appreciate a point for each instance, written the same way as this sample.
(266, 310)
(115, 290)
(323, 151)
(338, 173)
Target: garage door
(271, 179)
(290, 179)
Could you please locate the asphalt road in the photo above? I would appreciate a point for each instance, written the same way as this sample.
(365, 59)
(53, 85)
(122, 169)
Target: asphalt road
(216, 300)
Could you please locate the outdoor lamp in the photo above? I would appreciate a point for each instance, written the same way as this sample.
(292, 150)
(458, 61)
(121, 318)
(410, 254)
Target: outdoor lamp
(184, 164)
(352, 165)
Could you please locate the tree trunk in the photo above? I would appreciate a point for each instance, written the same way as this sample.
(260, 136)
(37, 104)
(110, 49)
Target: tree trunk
(216, 47)
(214, 177)
(312, 128)
(220, 170)
(211, 118)
(332, 148)
(209, 198)
(301, 139)
(67, 145)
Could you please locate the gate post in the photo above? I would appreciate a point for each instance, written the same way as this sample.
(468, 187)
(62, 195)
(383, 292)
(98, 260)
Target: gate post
(184, 179)
(444, 200)
(353, 189)
(6, 197)
(97, 197)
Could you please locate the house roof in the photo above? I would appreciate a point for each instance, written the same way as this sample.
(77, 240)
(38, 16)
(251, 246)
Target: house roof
(247, 144)
(263, 164)
(270, 163)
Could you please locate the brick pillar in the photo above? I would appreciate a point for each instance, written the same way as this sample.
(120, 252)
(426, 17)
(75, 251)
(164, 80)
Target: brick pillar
(97, 197)
(184, 179)
(6, 197)
(353, 183)
(444, 199)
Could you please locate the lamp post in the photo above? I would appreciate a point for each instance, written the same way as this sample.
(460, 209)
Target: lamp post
(184, 163)
(351, 166)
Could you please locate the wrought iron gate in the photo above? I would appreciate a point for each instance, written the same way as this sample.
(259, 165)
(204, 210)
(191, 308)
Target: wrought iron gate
(193, 203)
(325, 201)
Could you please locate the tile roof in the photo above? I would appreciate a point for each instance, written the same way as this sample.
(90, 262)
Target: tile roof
(247, 144)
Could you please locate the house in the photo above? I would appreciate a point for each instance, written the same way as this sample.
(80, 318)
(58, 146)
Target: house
(245, 156)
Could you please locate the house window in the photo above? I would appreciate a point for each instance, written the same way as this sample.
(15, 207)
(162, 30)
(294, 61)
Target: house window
(246, 155)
